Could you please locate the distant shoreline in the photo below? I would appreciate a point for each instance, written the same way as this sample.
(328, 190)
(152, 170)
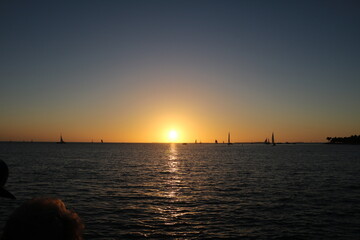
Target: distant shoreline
(352, 140)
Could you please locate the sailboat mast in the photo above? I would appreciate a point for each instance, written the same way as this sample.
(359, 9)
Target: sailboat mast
(61, 139)
(273, 139)
(229, 138)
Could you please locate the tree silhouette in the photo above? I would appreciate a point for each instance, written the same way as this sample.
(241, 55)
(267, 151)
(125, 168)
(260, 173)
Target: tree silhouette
(353, 139)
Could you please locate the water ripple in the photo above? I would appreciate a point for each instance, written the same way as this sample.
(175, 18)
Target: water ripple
(203, 191)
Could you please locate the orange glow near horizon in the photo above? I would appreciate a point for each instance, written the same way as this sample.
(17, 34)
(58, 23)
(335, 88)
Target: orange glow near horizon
(204, 120)
(167, 128)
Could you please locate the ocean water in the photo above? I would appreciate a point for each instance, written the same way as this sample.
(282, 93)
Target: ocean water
(194, 191)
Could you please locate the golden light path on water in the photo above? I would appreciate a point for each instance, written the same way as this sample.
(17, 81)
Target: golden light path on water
(174, 179)
(173, 184)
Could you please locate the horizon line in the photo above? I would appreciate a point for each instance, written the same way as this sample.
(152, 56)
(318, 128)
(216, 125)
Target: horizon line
(255, 142)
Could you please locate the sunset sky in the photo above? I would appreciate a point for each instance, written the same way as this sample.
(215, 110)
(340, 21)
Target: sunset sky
(132, 71)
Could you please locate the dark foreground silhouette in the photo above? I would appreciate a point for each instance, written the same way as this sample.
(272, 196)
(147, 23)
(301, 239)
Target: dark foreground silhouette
(354, 139)
(4, 173)
(43, 218)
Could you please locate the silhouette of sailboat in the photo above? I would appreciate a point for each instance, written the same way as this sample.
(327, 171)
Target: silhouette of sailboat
(273, 140)
(266, 141)
(229, 142)
(61, 140)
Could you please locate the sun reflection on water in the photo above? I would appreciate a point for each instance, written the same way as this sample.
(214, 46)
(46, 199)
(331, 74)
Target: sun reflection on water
(169, 212)
(173, 160)
(174, 178)
(174, 208)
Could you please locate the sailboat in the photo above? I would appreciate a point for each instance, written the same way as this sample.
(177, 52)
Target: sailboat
(266, 141)
(61, 140)
(273, 139)
(229, 143)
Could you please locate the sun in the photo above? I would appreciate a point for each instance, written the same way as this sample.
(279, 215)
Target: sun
(173, 135)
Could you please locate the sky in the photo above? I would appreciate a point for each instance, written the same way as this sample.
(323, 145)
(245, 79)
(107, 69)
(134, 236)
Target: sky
(132, 71)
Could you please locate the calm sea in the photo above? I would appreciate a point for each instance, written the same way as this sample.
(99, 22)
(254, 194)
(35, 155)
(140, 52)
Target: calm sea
(194, 191)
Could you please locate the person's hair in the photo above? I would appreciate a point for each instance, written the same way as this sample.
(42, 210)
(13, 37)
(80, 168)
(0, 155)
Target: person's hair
(43, 218)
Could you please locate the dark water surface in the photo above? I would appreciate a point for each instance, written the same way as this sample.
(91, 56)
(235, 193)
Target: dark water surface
(202, 191)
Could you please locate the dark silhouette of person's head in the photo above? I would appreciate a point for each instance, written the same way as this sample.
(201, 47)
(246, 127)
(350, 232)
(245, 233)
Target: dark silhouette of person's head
(4, 173)
(43, 218)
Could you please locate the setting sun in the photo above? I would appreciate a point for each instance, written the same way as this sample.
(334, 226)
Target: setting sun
(173, 135)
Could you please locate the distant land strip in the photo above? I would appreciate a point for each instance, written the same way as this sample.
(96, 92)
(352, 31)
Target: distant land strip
(354, 139)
